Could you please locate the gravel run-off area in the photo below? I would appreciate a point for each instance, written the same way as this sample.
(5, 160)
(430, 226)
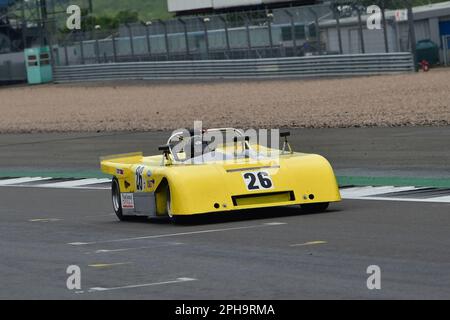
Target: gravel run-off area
(392, 100)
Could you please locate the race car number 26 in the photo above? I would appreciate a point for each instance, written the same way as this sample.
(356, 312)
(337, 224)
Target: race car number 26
(139, 179)
(257, 181)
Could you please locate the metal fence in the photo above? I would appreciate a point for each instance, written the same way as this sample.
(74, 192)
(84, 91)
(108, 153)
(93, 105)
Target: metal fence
(28, 23)
(288, 32)
(12, 67)
(324, 30)
(296, 67)
(10, 39)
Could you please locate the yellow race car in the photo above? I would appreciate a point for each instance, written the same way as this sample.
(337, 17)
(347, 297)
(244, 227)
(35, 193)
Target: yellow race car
(196, 174)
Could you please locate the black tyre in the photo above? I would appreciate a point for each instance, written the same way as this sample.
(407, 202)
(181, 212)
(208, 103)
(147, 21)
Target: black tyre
(173, 218)
(117, 202)
(315, 207)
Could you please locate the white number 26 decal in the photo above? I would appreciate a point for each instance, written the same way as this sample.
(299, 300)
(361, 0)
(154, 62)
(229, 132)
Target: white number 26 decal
(257, 180)
(140, 184)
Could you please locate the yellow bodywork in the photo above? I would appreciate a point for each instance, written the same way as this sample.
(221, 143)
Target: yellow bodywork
(220, 186)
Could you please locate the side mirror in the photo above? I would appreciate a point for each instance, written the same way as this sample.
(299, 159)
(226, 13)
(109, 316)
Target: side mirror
(286, 144)
(166, 153)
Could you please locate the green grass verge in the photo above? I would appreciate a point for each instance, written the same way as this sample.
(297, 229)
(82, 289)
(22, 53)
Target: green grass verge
(147, 9)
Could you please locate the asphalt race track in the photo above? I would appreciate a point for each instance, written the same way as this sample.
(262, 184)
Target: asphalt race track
(265, 254)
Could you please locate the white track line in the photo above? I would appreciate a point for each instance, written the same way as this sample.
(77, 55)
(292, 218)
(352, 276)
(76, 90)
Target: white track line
(442, 199)
(45, 220)
(138, 248)
(371, 191)
(358, 188)
(310, 243)
(428, 200)
(9, 182)
(175, 234)
(178, 280)
(73, 184)
(93, 188)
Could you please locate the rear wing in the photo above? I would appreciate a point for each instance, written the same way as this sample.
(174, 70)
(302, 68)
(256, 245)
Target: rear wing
(120, 164)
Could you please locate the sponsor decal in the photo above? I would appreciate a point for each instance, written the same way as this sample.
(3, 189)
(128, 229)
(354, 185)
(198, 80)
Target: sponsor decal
(119, 172)
(150, 183)
(127, 201)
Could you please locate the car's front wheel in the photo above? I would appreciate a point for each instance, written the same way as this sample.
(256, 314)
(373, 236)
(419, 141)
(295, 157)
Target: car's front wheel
(315, 207)
(172, 217)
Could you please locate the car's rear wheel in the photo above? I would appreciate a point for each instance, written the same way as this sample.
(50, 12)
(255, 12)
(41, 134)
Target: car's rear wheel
(315, 207)
(116, 200)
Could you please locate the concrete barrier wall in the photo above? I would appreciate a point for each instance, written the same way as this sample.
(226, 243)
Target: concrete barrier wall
(298, 67)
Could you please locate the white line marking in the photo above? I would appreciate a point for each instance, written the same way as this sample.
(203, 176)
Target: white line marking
(45, 220)
(108, 265)
(311, 243)
(44, 187)
(73, 184)
(356, 188)
(427, 200)
(275, 223)
(170, 235)
(371, 191)
(442, 199)
(138, 248)
(21, 180)
(92, 188)
(178, 280)
(84, 184)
